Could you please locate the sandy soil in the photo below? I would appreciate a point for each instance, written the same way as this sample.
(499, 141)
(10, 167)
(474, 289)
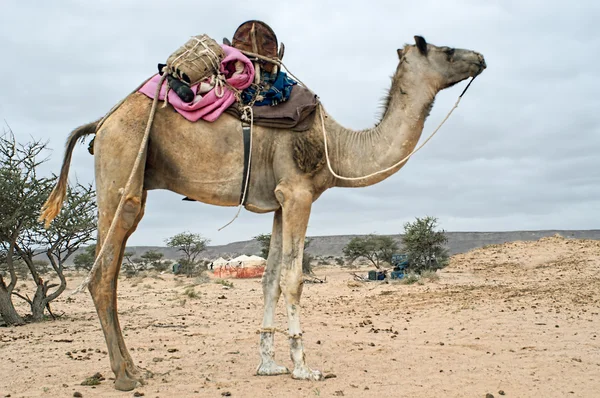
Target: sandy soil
(519, 320)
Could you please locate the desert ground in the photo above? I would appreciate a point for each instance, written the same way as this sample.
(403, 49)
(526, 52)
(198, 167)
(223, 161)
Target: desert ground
(517, 320)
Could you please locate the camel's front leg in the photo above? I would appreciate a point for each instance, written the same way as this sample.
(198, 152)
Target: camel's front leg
(296, 205)
(271, 293)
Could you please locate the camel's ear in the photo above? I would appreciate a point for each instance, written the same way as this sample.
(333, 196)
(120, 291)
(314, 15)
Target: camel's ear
(400, 53)
(421, 44)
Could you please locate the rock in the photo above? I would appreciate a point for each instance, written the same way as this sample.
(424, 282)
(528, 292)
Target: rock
(501, 392)
(93, 380)
(172, 350)
(329, 376)
(138, 394)
(488, 395)
(226, 394)
(77, 394)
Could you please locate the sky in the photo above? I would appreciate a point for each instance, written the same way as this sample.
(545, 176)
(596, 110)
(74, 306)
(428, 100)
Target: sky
(519, 153)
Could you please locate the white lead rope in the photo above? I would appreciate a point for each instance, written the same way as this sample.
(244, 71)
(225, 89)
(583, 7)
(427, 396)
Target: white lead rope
(396, 164)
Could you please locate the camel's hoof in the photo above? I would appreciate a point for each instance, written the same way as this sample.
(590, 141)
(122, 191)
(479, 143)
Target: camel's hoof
(132, 378)
(126, 384)
(271, 369)
(306, 373)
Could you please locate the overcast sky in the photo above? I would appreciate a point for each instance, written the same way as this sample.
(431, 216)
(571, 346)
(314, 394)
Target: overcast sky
(520, 152)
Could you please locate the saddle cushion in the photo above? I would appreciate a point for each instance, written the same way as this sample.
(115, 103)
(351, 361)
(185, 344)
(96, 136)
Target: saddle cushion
(239, 73)
(297, 113)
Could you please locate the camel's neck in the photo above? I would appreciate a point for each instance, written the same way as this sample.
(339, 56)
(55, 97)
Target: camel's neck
(360, 153)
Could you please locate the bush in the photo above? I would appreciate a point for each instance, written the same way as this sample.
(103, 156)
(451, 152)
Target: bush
(425, 247)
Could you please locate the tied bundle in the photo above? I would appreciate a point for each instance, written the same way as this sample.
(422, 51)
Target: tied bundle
(198, 59)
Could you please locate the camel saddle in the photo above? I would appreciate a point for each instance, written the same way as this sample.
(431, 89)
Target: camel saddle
(257, 37)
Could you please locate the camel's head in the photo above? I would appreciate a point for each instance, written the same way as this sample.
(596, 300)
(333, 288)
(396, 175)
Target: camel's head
(442, 66)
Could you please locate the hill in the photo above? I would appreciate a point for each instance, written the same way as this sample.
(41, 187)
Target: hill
(324, 246)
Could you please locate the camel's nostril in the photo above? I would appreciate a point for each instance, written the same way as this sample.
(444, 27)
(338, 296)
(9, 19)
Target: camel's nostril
(482, 62)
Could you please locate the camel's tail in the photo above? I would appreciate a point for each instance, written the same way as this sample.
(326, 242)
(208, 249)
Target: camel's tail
(53, 204)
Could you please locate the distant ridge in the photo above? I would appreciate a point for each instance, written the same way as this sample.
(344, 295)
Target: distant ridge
(324, 246)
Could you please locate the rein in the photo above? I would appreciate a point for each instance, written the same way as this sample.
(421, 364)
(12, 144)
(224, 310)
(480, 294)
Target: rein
(396, 164)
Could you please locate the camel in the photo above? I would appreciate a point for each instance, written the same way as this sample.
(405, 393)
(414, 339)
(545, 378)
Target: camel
(204, 161)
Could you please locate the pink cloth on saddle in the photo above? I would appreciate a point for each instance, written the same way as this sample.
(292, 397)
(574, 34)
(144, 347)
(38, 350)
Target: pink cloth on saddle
(210, 106)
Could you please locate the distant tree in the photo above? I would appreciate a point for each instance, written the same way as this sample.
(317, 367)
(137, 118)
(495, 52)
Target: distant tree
(265, 242)
(307, 258)
(131, 265)
(190, 245)
(154, 259)
(425, 247)
(85, 260)
(375, 248)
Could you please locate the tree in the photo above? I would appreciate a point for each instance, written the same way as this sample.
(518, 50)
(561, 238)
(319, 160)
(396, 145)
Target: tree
(190, 245)
(85, 260)
(265, 242)
(72, 228)
(21, 195)
(154, 259)
(425, 246)
(307, 258)
(22, 237)
(375, 248)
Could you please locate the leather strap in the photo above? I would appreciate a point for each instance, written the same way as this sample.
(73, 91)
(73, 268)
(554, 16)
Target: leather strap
(246, 175)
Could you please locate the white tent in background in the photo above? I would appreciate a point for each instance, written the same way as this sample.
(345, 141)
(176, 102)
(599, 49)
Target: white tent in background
(247, 261)
(220, 262)
(257, 260)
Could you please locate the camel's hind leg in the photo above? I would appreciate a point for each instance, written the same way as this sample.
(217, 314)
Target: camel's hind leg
(113, 166)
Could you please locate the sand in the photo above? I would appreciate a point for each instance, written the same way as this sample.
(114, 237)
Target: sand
(519, 320)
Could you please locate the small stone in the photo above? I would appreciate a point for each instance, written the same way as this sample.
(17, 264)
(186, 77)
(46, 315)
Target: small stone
(65, 385)
(329, 376)
(138, 394)
(222, 298)
(157, 359)
(488, 395)
(501, 392)
(226, 394)
(172, 350)
(77, 394)
(318, 341)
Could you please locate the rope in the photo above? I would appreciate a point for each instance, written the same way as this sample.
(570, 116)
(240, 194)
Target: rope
(249, 110)
(136, 165)
(396, 164)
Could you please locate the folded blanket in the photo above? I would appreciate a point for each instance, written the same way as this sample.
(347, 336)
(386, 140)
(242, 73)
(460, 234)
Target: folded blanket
(239, 73)
(276, 89)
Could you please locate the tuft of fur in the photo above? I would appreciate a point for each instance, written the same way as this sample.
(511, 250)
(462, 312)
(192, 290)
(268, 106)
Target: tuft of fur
(53, 204)
(309, 151)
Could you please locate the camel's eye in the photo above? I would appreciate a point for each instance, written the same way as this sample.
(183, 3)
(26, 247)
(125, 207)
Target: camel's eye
(449, 53)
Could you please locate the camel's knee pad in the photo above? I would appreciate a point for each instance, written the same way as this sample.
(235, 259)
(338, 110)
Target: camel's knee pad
(131, 209)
